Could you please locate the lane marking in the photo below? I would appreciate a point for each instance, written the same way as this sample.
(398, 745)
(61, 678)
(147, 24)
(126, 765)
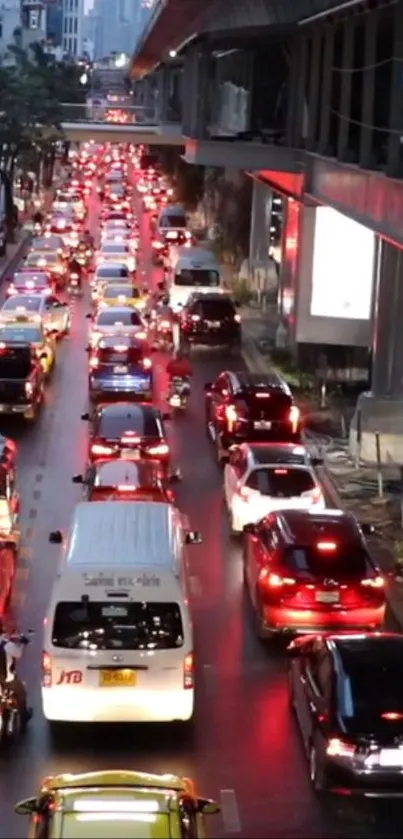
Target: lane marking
(230, 811)
(36, 494)
(195, 587)
(39, 477)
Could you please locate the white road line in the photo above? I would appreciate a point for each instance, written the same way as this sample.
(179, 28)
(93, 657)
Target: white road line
(195, 587)
(230, 811)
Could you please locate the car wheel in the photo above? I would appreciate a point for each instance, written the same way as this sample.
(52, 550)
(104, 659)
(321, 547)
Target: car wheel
(317, 774)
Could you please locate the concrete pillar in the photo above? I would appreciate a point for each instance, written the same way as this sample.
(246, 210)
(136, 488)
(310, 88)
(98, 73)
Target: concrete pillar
(326, 91)
(196, 105)
(293, 90)
(394, 159)
(346, 84)
(297, 106)
(162, 95)
(314, 84)
(381, 409)
(368, 94)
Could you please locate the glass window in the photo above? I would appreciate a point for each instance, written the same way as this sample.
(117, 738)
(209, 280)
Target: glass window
(281, 482)
(115, 424)
(30, 304)
(127, 318)
(313, 562)
(173, 220)
(29, 334)
(113, 291)
(108, 273)
(75, 25)
(198, 277)
(117, 626)
(130, 355)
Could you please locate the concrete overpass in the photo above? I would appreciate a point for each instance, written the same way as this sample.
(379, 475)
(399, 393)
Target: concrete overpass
(105, 124)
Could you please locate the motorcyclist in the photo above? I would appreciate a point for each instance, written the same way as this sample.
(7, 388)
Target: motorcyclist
(179, 367)
(38, 218)
(11, 651)
(75, 267)
(88, 239)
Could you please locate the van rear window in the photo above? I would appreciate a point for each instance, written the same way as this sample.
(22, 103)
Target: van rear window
(197, 277)
(116, 625)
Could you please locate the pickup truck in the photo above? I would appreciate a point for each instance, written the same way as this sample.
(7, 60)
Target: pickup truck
(21, 381)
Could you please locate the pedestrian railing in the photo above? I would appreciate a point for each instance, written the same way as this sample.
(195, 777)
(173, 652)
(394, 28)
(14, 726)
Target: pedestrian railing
(92, 113)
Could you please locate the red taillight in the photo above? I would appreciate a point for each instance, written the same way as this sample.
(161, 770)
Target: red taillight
(165, 324)
(231, 416)
(392, 716)
(262, 395)
(98, 449)
(94, 363)
(281, 471)
(327, 547)
(159, 451)
(274, 581)
(294, 418)
(147, 363)
(339, 748)
(46, 670)
(195, 318)
(374, 582)
(130, 438)
(188, 672)
(127, 488)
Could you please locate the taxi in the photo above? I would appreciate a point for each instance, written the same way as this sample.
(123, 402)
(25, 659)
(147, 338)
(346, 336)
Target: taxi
(30, 282)
(121, 294)
(121, 803)
(37, 308)
(23, 331)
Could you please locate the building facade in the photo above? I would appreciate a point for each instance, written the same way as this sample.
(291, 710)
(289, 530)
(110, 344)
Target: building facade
(73, 21)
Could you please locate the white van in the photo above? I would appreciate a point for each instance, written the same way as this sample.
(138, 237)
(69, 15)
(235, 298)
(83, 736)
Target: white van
(118, 640)
(171, 220)
(190, 270)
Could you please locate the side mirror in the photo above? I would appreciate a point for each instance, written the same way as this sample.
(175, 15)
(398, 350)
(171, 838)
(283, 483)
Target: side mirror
(193, 538)
(208, 387)
(26, 807)
(166, 417)
(89, 316)
(77, 479)
(85, 417)
(208, 807)
(251, 529)
(56, 537)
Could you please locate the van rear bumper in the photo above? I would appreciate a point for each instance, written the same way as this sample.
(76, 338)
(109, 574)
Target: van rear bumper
(120, 705)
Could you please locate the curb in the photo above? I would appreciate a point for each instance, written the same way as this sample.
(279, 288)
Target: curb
(255, 362)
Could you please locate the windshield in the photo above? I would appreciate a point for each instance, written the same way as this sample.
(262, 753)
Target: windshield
(118, 248)
(313, 562)
(362, 695)
(173, 220)
(197, 277)
(128, 291)
(108, 273)
(115, 426)
(29, 304)
(281, 482)
(21, 335)
(117, 626)
(126, 318)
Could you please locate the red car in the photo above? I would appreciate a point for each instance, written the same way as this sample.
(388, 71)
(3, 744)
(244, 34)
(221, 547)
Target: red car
(309, 571)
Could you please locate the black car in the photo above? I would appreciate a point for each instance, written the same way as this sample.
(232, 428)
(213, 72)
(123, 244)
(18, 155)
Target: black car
(120, 367)
(129, 431)
(211, 320)
(347, 693)
(21, 381)
(250, 407)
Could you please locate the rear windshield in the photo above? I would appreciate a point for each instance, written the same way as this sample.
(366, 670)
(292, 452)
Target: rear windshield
(35, 258)
(108, 273)
(216, 309)
(119, 248)
(31, 282)
(108, 355)
(127, 291)
(313, 562)
(265, 403)
(281, 482)
(15, 363)
(364, 696)
(197, 277)
(29, 334)
(110, 318)
(29, 304)
(173, 220)
(118, 626)
(116, 426)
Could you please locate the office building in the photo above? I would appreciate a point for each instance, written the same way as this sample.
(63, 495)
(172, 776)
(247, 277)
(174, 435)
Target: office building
(73, 20)
(54, 23)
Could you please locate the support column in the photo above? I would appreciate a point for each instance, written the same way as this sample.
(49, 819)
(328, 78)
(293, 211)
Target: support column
(293, 110)
(327, 83)
(298, 117)
(394, 160)
(314, 85)
(381, 409)
(163, 94)
(346, 83)
(368, 93)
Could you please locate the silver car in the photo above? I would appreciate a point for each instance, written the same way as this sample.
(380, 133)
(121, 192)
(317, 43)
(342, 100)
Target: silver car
(116, 320)
(51, 311)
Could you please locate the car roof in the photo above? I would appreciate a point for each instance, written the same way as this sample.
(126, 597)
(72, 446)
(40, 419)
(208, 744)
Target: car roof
(114, 778)
(127, 409)
(114, 473)
(263, 454)
(246, 380)
(302, 527)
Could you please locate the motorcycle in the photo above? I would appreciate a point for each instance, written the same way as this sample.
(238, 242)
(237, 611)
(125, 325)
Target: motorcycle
(74, 286)
(179, 393)
(164, 334)
(12, 721)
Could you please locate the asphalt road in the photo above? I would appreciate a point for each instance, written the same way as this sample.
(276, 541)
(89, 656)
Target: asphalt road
(245, 749)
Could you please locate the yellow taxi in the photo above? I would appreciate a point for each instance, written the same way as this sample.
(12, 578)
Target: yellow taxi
(24, 331)
(125, 805)
(121, 294)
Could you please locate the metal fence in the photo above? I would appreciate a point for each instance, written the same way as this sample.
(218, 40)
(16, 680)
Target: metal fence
(114, 115)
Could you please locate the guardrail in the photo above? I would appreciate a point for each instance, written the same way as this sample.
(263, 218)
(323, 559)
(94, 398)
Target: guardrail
(113, 115)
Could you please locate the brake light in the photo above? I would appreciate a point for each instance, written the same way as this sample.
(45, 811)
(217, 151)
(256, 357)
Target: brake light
(237, 318)
(120, 348)
(327, 547)
(165, 324)
(157, 245)
(29, 389)
(94, 363)
(338, 748)
(147, 363)
(188, 672)
(373, 582)
(97, 448)
(126, 488)
(195, 318)
(294, 418)
(392, 716)
(130, 438)
(46, 670)
(141, 336)
(281, 471)
(160, 450)
(274, 580)
(231, 416)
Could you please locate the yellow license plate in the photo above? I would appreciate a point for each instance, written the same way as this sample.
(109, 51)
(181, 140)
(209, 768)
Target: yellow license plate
(118, 678)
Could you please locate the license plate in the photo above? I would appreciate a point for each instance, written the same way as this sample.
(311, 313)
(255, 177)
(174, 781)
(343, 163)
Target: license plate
(391, 757)
(214, 324)
(130, 454)
(327, 596)
(120, 368)
(172, 236)
(262, 425)
(118, 678)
